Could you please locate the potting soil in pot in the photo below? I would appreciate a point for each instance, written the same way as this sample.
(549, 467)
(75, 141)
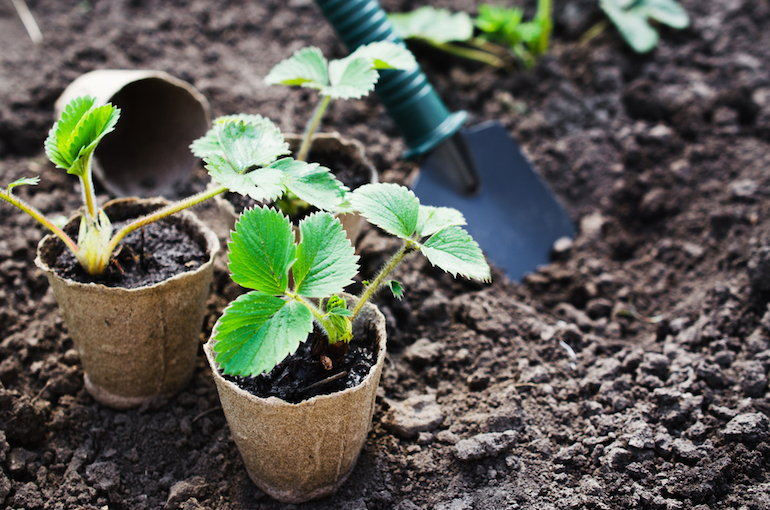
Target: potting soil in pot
(146, 256)
(302, 375)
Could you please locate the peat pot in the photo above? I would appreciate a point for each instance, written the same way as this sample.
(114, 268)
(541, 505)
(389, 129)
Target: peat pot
(325, 148)
(135, 343)
(299, 452)
(148, 154)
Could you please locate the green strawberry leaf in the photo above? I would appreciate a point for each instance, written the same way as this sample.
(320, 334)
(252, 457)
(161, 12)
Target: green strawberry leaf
(435, 25)
(238, 143)
(336, 303)
(314, 184)
(24, 181)
(306, 68)
(262, 250)
(342, 312)
(338, 320)
(73, 138)
(257, 331)
(262, 184)
(58, 145)
(62, 131)
(271, 142)
(385, 55)
(326, 261)
(395, 288)
(350, 78)
(244, 141)
(454, 251)
(530, 32)
(432, 219)
(393, 208)
(499, 23)
(355, 75)
(633, 26)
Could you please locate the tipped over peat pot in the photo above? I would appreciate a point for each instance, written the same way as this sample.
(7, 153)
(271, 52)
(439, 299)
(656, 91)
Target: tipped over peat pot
(148, 154)
(346, 159)
(140, 342)
(299, 452)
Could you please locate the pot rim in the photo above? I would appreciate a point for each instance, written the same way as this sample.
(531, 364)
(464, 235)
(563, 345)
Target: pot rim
(216, 370)
(212, 246)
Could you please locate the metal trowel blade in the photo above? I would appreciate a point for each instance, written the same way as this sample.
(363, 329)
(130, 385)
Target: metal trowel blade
(513, 215)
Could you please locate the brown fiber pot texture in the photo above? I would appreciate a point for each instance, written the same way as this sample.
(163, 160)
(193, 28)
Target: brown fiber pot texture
(299, 452)
(135, 343)
(148, 154)
(327, 143)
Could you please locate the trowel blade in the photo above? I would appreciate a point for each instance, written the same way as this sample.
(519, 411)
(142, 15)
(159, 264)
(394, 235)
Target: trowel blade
(514, 216)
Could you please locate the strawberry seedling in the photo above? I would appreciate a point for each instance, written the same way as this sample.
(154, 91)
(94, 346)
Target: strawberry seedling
(260, 328)
(240, 151)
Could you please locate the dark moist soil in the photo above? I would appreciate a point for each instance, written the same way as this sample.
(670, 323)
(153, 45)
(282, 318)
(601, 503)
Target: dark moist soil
(145, 257)
(662, 161)
(302, 375)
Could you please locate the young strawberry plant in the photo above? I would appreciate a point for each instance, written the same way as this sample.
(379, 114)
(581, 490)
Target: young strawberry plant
(240, 151)
(527, 40)
(351, 77)
(503, 32)
(449, 32)
(260, 328)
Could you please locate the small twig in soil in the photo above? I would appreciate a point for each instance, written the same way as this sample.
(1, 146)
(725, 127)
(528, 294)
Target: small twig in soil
(571, 352)
(47, 383)
(631, 312)
(141, 253)
(28, 20)
(325, 381)
(593, 32)
(114, 258)
(204, 413)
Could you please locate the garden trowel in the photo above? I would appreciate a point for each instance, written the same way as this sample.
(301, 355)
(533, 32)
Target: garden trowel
(480, 171)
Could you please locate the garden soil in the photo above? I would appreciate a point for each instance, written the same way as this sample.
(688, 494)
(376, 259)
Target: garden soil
(662, 160)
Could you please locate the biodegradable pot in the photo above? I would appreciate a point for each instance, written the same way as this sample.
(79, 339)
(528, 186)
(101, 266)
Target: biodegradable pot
(148, 154)
(135, 343)
(333, 146)
(299, 452)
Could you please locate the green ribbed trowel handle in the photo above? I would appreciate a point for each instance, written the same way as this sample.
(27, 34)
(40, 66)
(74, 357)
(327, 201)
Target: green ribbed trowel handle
(411, 101)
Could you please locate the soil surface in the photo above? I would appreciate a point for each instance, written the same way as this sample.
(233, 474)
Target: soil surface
(147, 256)
(302, 375)
(662, 160)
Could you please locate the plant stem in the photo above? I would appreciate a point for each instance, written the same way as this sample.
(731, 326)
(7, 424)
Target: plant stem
(319, 316)
(27, 208)
(545, 14)
(162, 213)
(313, 308)
(482, 56)
(395, 260)
(86, 181)
(311, 126)
(489, 47)
(593, 32)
